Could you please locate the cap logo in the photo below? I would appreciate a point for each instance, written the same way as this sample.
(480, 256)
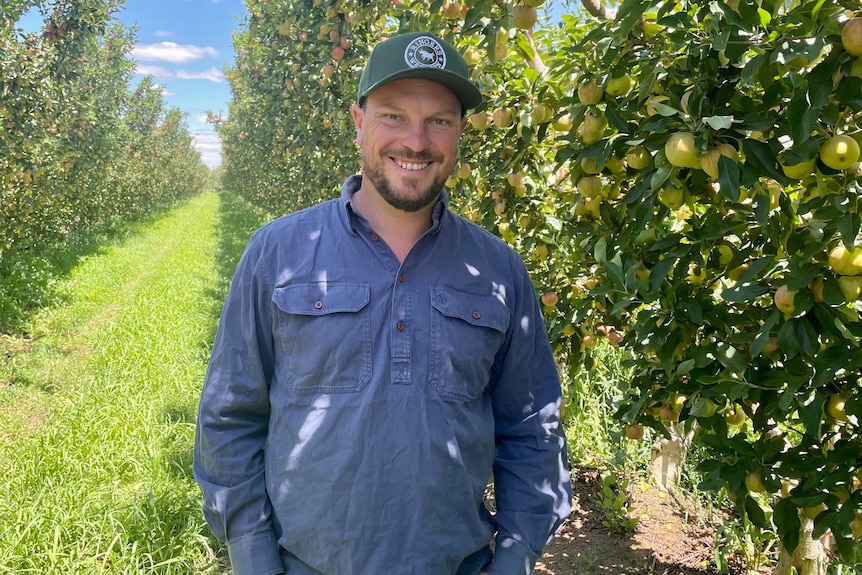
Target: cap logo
(425, 52)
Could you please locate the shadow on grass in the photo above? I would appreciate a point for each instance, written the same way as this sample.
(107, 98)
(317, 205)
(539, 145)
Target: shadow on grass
(29, 278)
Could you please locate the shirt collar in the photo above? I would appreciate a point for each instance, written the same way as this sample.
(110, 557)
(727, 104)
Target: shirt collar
(351, 186)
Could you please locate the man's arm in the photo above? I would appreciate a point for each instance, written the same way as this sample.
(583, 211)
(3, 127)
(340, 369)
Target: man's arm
(531, 475)
(232, 426)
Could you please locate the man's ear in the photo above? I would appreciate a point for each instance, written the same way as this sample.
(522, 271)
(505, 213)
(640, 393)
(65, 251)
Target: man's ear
(358, 115)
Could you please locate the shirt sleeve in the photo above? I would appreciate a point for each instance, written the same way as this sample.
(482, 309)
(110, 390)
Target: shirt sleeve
(232, 424)
(531, 473)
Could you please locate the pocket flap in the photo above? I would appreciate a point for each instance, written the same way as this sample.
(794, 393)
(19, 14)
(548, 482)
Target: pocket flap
(321, 298)
(474, 309)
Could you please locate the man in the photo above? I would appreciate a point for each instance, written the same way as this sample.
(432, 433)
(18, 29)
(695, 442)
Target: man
(377, 357)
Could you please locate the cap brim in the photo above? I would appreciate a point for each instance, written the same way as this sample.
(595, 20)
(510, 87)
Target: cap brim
(464, 90)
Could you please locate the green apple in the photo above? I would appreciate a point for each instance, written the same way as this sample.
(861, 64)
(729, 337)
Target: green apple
(681, 151)
(851, 36)
(590, 93)
(839, 152)
(618, 85)
(800, 170)
(845, 262)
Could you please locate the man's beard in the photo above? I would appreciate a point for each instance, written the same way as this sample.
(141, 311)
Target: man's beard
(381, 183)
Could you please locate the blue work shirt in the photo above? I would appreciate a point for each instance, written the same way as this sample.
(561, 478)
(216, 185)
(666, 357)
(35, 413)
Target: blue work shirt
(355, 407)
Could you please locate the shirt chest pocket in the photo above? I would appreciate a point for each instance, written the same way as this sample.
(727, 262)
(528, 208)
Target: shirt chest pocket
(467, 330)
(324, 329)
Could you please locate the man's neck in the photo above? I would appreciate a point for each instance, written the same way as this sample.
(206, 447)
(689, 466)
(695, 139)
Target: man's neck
(399, 229)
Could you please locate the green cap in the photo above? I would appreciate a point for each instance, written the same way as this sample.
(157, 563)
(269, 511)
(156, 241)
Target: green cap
(419, 55)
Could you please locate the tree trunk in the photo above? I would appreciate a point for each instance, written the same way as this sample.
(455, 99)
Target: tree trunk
(668, 455)
(809, 558)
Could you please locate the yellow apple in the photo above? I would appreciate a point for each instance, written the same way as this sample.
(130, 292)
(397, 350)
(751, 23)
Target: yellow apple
(813, 512)
(638, 158)
(550, 299)
(709, 161)
(589, 186)
(502, 117)
(836, 407)
(590, 93)
(672, 196)
(618, 85)
(800, 170)
(592, 128)
(590, 165)
(846, 262)
(681, 151)
(524, 17)
(563, 123)
(851, 287)
(463, 171)
(784, 300)
(839, 152)
(754, 482)
(634, 431)
(851, 36)
(734, 415)
(479, 120)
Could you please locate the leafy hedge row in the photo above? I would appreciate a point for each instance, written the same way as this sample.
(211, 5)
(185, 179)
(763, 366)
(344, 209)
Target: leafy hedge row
(77, 148)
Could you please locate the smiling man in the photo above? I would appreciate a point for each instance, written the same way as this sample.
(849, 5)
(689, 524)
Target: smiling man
(378, 358)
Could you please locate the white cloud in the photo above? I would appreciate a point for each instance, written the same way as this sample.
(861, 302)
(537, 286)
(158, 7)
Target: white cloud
(165, 91)
(213, 75)
(155, 71)
(163, 33)
(171, 52)
(208, 144)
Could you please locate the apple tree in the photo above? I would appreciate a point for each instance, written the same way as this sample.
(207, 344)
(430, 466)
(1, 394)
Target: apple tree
(725, 251)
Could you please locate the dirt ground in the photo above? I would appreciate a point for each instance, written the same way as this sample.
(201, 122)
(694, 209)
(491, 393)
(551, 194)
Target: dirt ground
(664, 542)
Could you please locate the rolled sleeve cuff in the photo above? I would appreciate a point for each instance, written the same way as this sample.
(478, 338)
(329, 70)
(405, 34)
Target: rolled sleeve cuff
(511, 558)
(255, 554)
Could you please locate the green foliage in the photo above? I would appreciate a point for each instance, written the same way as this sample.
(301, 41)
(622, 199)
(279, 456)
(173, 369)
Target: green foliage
(76, 149)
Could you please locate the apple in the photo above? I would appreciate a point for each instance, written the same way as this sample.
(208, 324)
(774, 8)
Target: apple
(851, 36)
(634, 431)
(839, 152)
(592, 128)
(337, 53)
(327, 70)
(524, 17)
(836, 407)
(734, 415)
(550, 299)
(845, 262)
(681, 151)
(651, 28)
(589, 341)
(541, 114)
(515, 179)
(589, 186)
(615, 337)
(463, 171)
(590, 93)
(479, 120)
(672, 196)
(800, 170)
(345, 43)
(667, 413)
(638, 158)
(472, 56)
(502, 117)
(851, 287)
(618, 85)
(813, 512)
(451, 10)
(590, 165)
(784, 300)
(709, 161)
(754, 482)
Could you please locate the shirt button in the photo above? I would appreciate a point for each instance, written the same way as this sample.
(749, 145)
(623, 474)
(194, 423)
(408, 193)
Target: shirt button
(401, 278)
(476, 315)
(400, 326)
(375, 237)
(318, 304)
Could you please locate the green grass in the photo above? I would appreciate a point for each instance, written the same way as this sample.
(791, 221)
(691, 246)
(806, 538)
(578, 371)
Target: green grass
(98, 399)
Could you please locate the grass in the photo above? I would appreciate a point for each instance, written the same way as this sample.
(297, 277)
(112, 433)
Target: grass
(98, 399)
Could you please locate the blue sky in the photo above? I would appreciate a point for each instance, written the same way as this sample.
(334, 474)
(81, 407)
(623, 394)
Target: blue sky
(186, 46)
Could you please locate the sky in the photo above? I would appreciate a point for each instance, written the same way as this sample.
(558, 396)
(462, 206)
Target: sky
(186, 46)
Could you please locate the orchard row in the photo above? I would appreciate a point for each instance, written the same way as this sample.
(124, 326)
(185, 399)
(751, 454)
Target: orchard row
(77, 149)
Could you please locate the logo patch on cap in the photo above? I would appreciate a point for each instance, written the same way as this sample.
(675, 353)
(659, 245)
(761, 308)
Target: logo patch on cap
(425, 52)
